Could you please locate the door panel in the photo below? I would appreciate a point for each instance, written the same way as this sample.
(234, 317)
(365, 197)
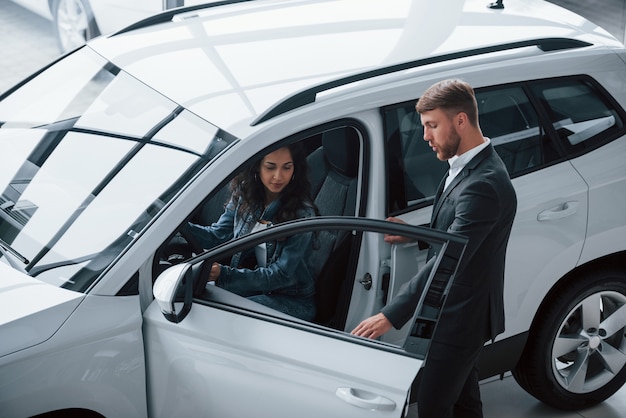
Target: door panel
(546, 240)
(605, 172)
(229, 356)
(224, 364)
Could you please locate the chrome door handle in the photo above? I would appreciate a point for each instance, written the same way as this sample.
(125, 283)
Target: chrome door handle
(558, 212)
(366, 281)
(365, 400)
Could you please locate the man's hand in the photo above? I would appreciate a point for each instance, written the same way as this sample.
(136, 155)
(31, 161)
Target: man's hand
(373, 327)
(396, 239)
(214, 274)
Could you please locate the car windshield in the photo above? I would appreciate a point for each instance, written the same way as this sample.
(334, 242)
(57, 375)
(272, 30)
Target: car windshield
(88, 157)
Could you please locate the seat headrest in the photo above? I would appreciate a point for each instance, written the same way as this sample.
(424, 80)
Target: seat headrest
(341, 148)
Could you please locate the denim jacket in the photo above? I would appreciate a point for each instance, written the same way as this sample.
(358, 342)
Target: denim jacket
(288, 270)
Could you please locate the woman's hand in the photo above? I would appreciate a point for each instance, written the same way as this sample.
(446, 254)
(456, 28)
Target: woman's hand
(215, 272)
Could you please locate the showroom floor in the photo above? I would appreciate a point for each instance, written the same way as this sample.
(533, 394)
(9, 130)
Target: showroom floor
(28, 45)
(506, 399)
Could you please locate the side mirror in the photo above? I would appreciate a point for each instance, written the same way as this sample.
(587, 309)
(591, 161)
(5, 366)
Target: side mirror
(167, 290)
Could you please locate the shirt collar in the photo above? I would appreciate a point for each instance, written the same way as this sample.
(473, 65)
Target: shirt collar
(457, 162)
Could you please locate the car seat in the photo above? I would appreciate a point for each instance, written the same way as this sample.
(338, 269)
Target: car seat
(333, 170)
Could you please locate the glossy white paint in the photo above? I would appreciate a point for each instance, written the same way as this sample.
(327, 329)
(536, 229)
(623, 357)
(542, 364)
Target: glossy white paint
(238, 53)
(95, 361)
(235, 365)
(605, 172)
(542, 251)
(32, 311)
(223, 363)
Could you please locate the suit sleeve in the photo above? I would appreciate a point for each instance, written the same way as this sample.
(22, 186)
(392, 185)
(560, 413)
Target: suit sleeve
(476, 210)
(403, 305)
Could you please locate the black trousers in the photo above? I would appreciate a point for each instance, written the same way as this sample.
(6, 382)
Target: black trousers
(449, 383)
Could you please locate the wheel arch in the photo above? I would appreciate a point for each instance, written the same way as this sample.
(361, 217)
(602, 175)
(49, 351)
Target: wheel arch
(509, 351)
(530, 371)
(615, 261)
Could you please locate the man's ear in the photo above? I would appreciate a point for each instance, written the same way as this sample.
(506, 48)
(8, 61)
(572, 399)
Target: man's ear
(461, 119)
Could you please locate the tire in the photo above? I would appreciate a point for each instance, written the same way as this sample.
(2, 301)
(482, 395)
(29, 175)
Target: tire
(570, 366)
(74, 23)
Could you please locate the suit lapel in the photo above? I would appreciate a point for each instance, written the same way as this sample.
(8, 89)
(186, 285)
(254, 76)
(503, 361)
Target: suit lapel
(438, 200)
(441, 195)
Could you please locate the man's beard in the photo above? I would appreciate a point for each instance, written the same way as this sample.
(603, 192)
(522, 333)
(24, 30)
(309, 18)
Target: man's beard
(450, 148)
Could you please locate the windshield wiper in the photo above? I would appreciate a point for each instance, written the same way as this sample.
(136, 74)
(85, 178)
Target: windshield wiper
(6, 249)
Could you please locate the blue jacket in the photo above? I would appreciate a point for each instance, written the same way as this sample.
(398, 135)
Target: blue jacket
(288, 270)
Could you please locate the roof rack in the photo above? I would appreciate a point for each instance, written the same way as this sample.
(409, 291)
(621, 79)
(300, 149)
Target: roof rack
(307, 96)
(168, 15)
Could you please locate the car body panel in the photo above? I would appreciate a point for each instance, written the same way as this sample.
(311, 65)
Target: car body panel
(32, 310)
(97, 356)
(539, 233)
(234, 365)
(605, 173)
(241, 77)
(93, 341)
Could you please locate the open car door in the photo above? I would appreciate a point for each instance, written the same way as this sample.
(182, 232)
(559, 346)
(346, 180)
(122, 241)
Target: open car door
(210, 352)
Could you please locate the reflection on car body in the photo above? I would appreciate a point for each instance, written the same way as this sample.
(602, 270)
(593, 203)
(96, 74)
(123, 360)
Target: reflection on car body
(108, 151)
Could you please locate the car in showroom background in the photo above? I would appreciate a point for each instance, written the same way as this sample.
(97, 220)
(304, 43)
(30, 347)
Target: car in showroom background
(77, 21)
(109, 150)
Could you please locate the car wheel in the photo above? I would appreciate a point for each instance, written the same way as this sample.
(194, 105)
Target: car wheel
(575, 356)
(74, 23)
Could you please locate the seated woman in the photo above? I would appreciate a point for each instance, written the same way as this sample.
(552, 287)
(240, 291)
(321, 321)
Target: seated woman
(275, 274)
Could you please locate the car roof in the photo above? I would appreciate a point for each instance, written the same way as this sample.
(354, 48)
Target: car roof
(236, 64)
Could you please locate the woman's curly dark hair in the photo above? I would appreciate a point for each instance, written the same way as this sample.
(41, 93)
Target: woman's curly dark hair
(247, 188)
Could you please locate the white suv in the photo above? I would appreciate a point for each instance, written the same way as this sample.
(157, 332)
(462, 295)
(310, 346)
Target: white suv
(108, 151)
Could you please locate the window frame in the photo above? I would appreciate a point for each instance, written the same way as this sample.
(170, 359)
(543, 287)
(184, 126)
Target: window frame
(564, 151)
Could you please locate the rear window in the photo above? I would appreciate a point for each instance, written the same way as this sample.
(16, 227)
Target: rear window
(580, 113)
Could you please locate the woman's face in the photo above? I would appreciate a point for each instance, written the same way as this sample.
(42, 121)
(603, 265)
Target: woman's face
(276, 171)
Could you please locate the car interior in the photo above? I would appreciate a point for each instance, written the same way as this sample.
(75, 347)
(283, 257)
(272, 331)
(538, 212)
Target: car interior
(333, 164)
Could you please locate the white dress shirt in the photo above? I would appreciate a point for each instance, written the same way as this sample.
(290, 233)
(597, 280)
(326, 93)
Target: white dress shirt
(458, 162)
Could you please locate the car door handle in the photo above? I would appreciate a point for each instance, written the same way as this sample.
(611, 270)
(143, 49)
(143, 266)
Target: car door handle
(366, 400)
(558, 212)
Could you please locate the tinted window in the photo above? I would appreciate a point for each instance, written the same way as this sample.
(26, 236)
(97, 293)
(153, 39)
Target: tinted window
(580, 115)
(413, 170)
(509, 120)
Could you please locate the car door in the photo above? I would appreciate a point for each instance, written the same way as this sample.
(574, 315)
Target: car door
(210, 352)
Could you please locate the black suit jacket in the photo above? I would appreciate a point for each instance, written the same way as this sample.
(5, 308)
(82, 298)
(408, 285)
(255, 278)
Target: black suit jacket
(480, 204)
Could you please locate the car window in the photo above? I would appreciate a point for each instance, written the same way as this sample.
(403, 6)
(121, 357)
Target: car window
(580, 113)
(506, 117)
(509, 120)
(441, 271)
(413, 170)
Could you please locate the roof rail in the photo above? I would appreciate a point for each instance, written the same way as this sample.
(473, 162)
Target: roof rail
(307, 96)
(167, 15)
